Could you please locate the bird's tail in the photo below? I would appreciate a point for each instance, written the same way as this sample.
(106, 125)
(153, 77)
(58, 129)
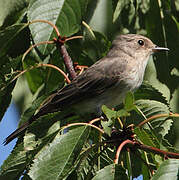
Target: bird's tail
(44, 110)
(21, 129)
(16, 133)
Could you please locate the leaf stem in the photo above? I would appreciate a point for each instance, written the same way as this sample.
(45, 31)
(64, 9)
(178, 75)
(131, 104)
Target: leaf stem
(82, 124)
(40, 43)
(42, 65)
(48, 22)
(157, 151)
(120, 148)
(157, 116)
(73, 37)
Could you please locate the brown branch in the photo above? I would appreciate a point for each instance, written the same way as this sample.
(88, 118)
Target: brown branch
(58, 69)
(94, 120)
(48, 22)
(83, 124)
(40, 43)
(138, 145)
(157, 116)
(41, 65)
(156, 150)
(120, 148)
(67, 60)
(73, 37)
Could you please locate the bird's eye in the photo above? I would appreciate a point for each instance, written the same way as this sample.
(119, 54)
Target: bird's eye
(141, 42)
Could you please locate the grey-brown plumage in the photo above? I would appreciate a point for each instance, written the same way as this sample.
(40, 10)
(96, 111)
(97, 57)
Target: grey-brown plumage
(105, 82)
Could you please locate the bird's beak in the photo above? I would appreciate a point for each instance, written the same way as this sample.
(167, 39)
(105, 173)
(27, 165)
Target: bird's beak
(157, 48)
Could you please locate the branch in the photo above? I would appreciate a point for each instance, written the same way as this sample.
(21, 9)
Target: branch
(136, 144)
(48, 22)
(157, 116)
(82, 124)
(40, 43)
(120, 148)
(156, 150)
(38, 66)
(67, 60)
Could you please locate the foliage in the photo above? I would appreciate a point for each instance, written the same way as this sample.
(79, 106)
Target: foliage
(84, 151)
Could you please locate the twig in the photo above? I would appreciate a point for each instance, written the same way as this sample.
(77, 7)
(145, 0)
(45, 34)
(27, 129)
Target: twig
(82, 124)
(146, 148)
(41, 65)
(58, 69)
(120, 148)
(157, 116)
(48, 22)
(40, 43)
(156, 150)
(73, 37)
(94, 120)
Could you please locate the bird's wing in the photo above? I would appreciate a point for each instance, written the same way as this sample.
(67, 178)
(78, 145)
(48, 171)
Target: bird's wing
(82, 88)
(94, 81)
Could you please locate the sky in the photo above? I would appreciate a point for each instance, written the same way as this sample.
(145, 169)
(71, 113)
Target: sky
(7, 125)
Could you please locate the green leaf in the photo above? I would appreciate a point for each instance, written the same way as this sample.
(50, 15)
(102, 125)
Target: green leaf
(169, 169)
(8, 36)
(120, 6)
(7, 69)
(111, 116)
(147, 91)
(11, 11)
(101, 16)
(14, 165)
(122, 113)
(64, 14)
(31, 110)
(150, 108)
(147, 137)
(35, 77)
(113, 171)
(129, 102)
(95, 48)
(57, 159)
(163, 30)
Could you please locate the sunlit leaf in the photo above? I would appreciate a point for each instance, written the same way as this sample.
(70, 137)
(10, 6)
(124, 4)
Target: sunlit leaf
(167, 170)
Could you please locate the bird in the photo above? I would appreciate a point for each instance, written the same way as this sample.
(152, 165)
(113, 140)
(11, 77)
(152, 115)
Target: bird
(106, 82)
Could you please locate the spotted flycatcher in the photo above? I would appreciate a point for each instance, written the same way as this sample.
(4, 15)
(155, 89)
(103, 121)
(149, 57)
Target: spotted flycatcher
(104, 83)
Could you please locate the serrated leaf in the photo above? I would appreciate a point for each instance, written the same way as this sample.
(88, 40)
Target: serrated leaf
(58, 159)
(146, 137)
(169, 169)
(150, 108)
(112, 172)
(65, 15)
(14, 164)
(147, 91)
